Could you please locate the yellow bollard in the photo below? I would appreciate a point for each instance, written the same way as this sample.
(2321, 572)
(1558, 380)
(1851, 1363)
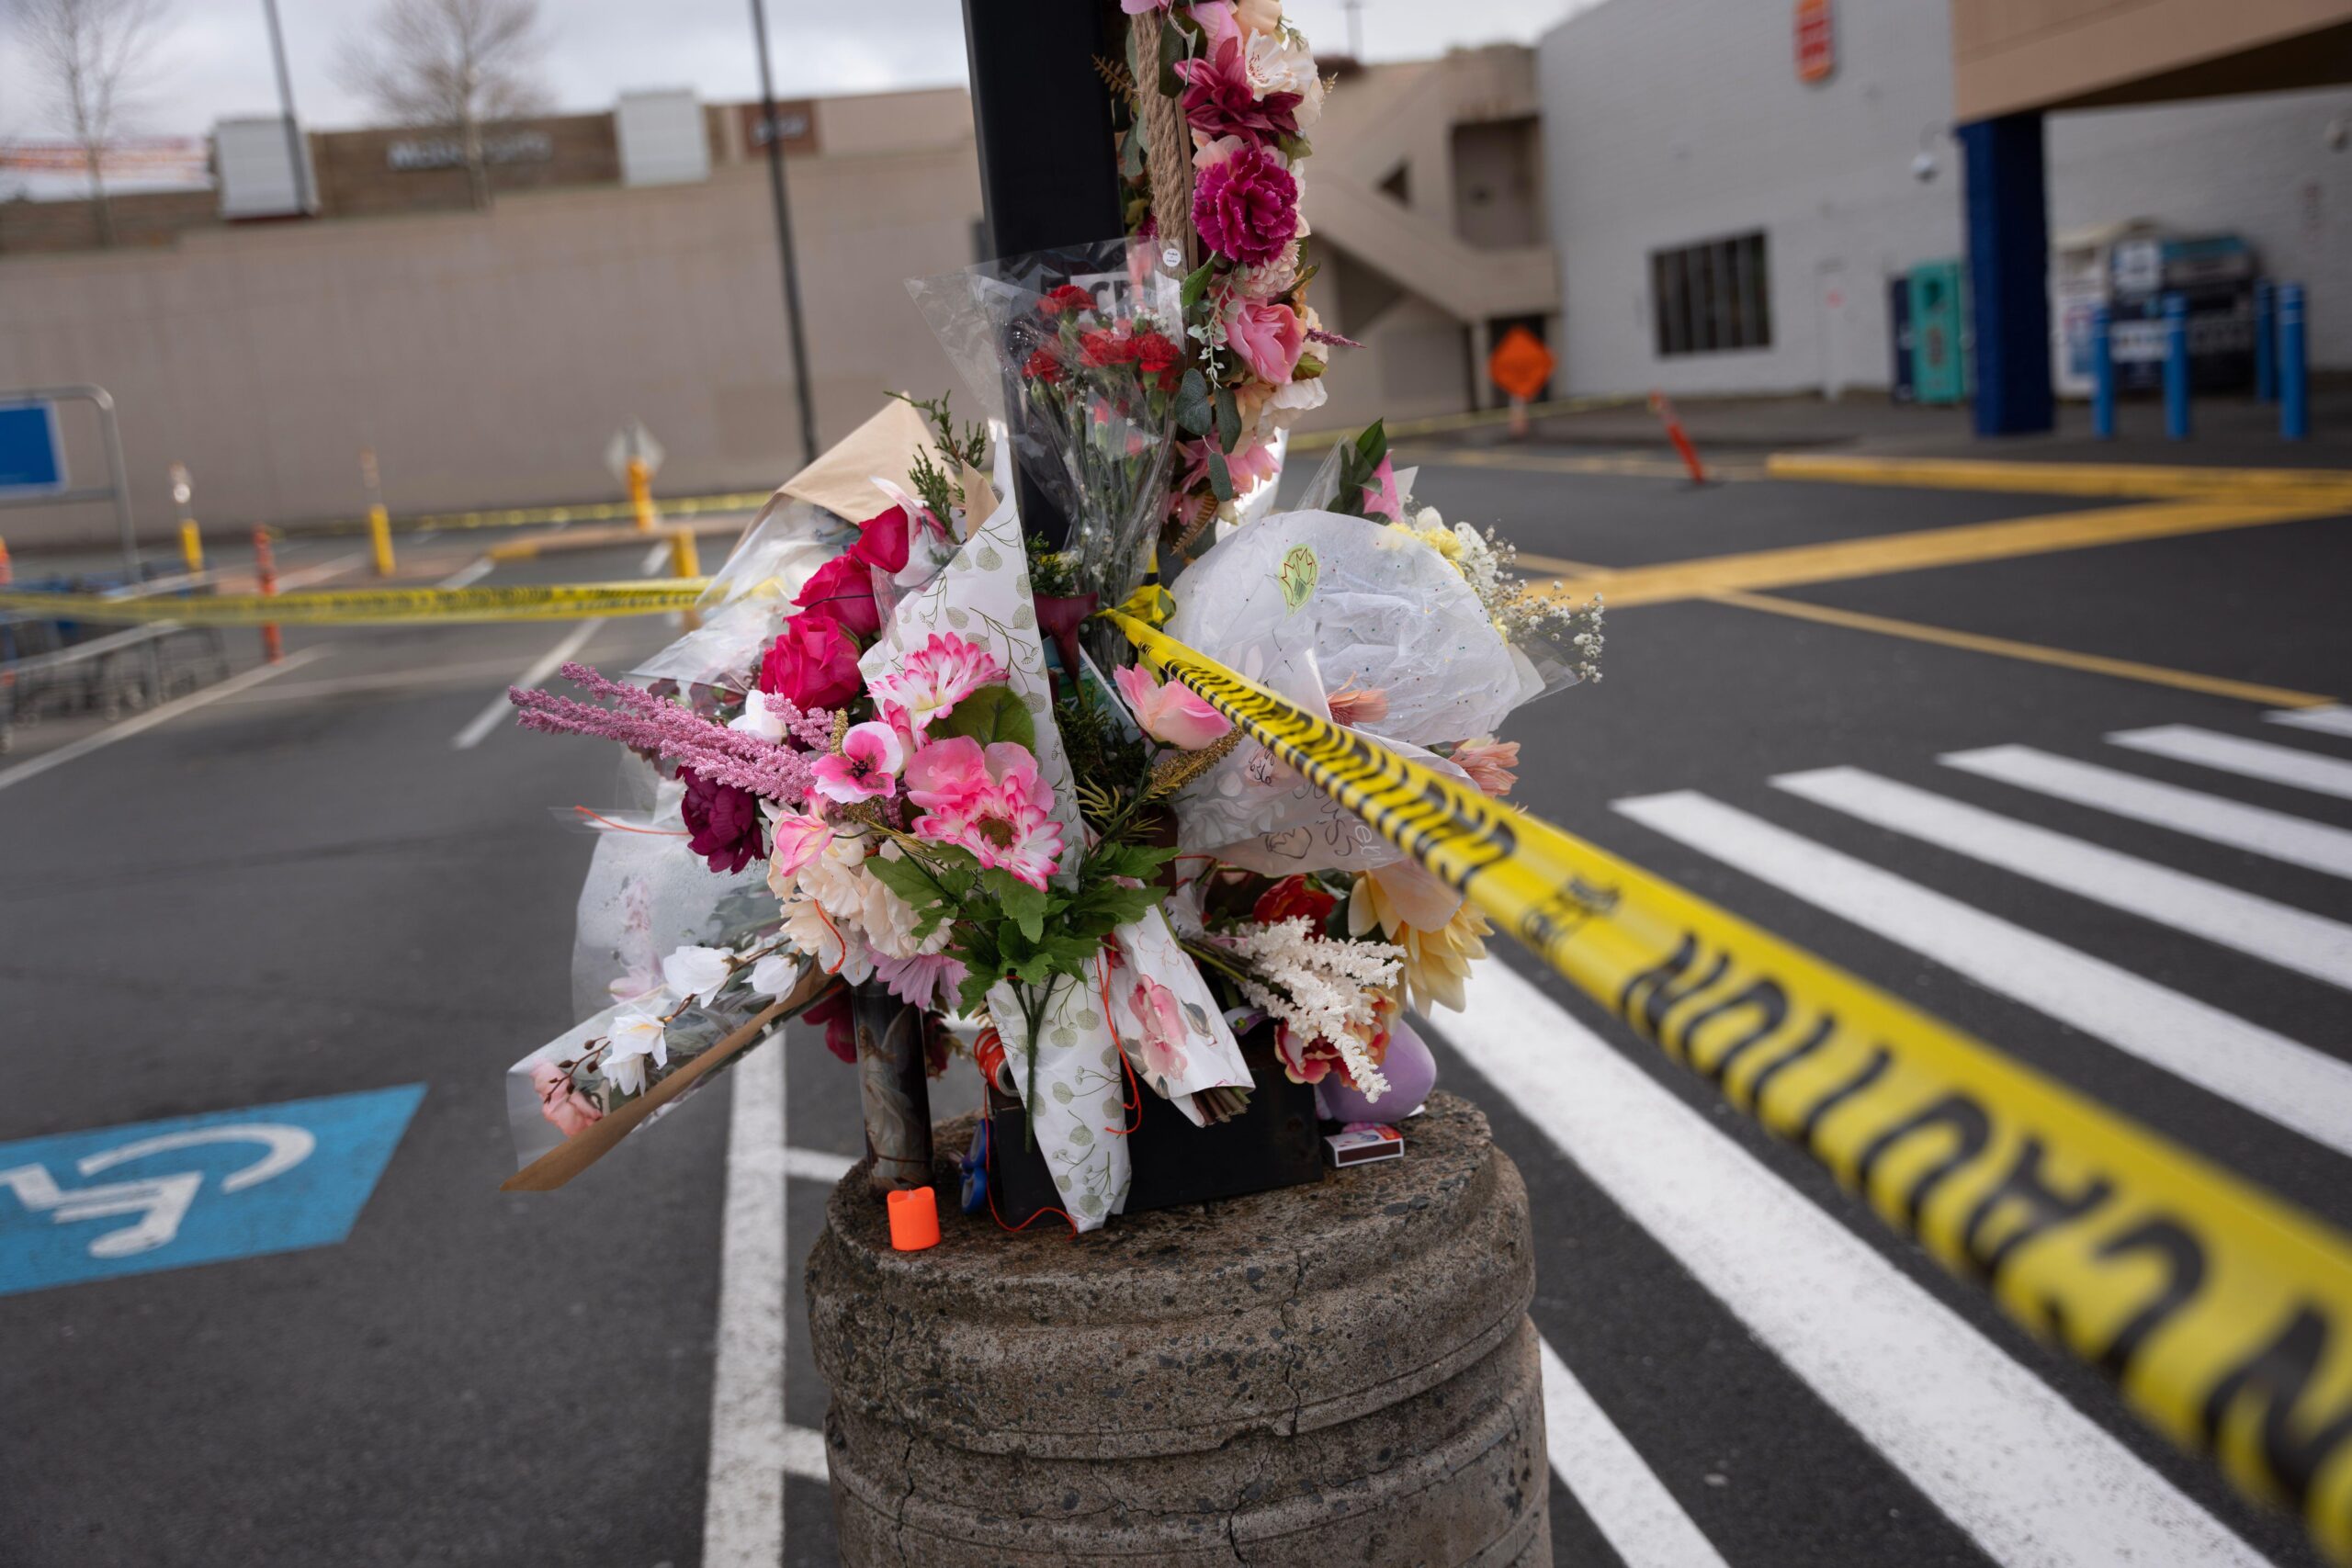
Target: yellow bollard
(379, 537)
(640, 495)
(684, 562)
(191, 546)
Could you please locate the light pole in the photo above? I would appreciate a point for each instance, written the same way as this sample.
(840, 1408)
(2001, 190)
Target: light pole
(800, 389)
(286, 107)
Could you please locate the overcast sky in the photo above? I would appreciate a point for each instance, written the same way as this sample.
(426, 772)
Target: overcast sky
(211, 60)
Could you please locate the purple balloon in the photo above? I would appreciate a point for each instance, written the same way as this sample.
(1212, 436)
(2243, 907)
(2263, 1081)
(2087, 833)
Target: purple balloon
(1411, 1073)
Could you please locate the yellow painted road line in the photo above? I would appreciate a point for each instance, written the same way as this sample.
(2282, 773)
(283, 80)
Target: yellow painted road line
(1885, 554)
(2150, 480)
(1631, 465)
(1973, 642)
(558, 541)
(2035, 653)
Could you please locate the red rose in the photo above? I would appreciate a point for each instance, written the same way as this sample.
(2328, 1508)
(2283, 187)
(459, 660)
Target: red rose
(1156, 356)
(843, 590)
(1068, 297)
(812, 663)
(1043, 367)
(882, 540)
(1292, 896)
(1102, 346)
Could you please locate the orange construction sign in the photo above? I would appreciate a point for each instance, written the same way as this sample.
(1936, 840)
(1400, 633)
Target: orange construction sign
(1520, 363)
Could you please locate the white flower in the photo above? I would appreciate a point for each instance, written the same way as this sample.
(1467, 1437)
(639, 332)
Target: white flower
(1293, 399)
(1280, 62)
(1322, 989)
(696, 973)
(636, 1039)
(758, 719)
(837, 945)
(776, 973)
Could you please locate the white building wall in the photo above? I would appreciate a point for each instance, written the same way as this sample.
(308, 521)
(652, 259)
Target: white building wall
(1671, 122)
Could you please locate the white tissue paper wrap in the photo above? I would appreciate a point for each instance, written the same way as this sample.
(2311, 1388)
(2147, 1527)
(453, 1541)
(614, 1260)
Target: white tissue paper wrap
(1380, 611)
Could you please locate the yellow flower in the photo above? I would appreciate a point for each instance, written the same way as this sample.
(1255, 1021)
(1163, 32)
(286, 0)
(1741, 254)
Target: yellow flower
(1436, 958)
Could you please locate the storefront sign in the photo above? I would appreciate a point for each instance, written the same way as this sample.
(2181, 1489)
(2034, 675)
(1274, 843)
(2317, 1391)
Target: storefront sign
(796, 126)
(1816, 40)
(449, 152)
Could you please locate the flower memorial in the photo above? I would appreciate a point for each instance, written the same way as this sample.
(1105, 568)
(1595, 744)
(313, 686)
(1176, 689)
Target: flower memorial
(904, 769)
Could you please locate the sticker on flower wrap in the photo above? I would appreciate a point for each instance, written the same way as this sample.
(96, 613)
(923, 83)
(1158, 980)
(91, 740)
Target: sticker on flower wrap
(1299, 570)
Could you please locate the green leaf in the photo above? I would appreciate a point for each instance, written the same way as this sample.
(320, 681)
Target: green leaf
(1172, 49)
(1192, 409)
(1131, 153)
(1372, 445)
(988, 715)
(1198, 283)
(908, 879)
(1229, 420)
(1024, 906)
(1220, 477)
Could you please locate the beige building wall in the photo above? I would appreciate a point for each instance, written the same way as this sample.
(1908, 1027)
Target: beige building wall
(2020, 54)
(489, 358)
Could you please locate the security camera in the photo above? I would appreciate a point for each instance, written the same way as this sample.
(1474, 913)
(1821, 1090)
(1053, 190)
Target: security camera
(1923, 166)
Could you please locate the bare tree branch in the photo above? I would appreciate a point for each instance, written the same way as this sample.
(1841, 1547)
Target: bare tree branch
(89, 55)
(456, 65)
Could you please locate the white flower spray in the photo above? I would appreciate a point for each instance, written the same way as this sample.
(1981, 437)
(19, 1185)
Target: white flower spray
(1322, 987)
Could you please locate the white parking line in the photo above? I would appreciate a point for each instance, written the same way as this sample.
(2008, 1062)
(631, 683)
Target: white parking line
(2257, 926)
(2255, 829)
(2247, 758)
(471, 573)
(34, 767)
(2303, 1089)
(305, 576)
(2027, 1476)
(750, 1447)
(653, 559)
(816, 1164)
(1626, 1501)
(500, 709)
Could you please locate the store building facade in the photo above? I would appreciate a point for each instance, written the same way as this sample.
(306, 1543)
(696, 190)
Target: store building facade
(1733, 185)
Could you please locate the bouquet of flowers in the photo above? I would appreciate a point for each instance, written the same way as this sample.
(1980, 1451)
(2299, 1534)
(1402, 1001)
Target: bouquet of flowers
(925, 815)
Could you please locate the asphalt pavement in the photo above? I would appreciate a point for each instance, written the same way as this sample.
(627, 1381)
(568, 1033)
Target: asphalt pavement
(306, 888)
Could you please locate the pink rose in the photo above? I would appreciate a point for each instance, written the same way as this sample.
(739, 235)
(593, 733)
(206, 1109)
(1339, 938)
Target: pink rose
(843, 589)
(1268, 338)
(812, 663)
(947, 775)
(561, 1102)
(800, 837)
(1173, 713)
(882, 540)
(1244, 202)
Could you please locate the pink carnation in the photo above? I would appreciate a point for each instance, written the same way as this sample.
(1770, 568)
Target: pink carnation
(1244, 203)
(934, 678)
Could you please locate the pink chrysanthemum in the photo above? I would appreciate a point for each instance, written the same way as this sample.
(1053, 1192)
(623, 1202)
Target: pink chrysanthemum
(991, 804)
(932, 680)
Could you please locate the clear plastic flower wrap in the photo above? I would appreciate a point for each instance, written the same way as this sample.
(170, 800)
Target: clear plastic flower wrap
(1083, 349)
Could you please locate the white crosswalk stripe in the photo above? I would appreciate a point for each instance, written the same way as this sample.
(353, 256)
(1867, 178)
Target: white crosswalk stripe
(2310, 944)
(2250, 758)
(2332, 719)
(2279, 835)
(1940, 1401)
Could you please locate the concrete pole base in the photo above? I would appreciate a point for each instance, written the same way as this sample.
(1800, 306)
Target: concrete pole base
(1336, 1373)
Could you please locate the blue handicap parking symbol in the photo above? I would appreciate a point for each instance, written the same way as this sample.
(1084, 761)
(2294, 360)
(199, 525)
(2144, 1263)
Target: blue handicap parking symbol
(153, 1195)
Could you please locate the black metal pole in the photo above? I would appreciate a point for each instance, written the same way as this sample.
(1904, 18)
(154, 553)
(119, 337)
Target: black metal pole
(802, 393)
(1049, 160)
(285, 107)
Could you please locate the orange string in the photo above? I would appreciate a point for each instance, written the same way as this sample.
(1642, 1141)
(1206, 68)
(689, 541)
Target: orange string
(834, 931)
(1134, 1094)
(1033, 1218)
(625, 828)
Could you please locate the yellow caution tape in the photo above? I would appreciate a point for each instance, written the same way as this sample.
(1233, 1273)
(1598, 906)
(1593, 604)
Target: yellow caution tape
(376, 606)
(2223, 1313)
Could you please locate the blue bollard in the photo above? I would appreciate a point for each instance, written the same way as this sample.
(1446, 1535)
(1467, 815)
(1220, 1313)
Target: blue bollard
(2294, 402)
(2265, 341)
(2176, 368)
(2103, 373)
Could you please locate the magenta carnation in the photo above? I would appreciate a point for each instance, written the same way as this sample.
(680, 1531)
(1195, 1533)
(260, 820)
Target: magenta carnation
(1246, 205)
